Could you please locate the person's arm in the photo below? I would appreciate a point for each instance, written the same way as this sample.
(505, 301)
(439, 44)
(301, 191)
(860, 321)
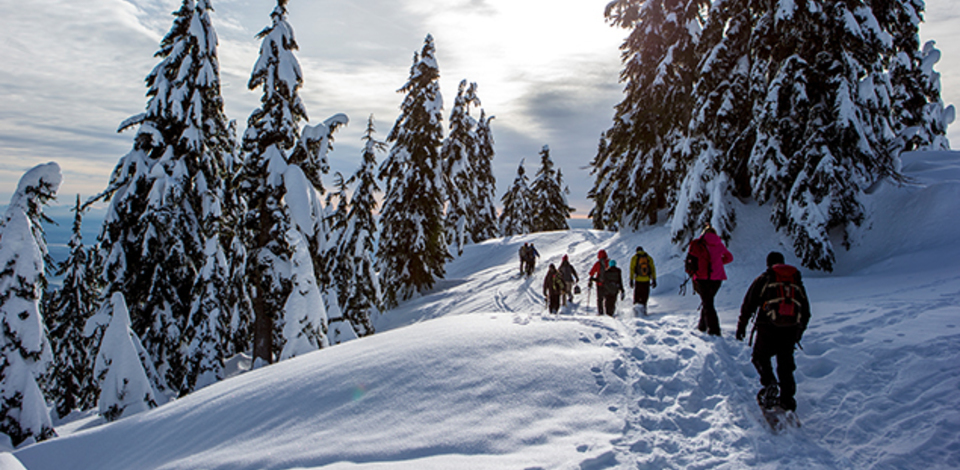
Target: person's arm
(653, 271)
(726, 256)
(749, 306)
(804, 308)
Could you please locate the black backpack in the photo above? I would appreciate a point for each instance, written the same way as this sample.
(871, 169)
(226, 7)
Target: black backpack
(611, 281)
(698, 260)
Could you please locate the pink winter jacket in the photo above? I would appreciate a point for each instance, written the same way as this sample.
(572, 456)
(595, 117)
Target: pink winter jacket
(719, 256)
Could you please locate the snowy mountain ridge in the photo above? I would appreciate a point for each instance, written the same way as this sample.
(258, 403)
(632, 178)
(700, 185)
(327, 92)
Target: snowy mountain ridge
(476, 375)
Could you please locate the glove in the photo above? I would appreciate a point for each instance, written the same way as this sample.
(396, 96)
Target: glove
(741, 333)
(631, 283)
(799, 335)
(653, 284)
(621, 295)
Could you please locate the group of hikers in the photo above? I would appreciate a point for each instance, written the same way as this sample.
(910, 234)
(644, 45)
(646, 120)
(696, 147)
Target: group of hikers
(776, 303)
(561, 283)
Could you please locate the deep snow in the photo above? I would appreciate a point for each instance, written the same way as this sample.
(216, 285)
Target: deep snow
(477, 375)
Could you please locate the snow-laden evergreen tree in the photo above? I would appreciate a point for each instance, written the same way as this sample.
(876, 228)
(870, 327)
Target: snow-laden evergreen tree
(720, 131)
(483, 224)
(517, 215)
(124, 387)
(358, 284)
(824, 133)
(166, 196)
(284, 222)
(638, 171)
(931, 131)
(549, 197)
(458, 155)
(25, 350)
(412, 250)
(70, 384)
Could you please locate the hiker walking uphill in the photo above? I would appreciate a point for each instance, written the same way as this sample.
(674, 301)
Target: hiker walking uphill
(612, 287)
(705, 259)
(528, 259)
(553, 287)
(778, 303)
(570, 279)
(596, 277)
(609, 281)
(643, 276)
(523, 257)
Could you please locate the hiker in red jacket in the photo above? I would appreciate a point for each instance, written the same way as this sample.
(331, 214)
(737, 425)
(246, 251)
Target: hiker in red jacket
(709, 276)
(596, 277)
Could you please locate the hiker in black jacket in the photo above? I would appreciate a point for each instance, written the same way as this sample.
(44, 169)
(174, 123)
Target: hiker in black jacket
(570, 279)
(553, 288)
(611, 287)
(778, 301)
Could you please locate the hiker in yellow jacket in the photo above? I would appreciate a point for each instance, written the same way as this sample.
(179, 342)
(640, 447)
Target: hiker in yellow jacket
(643, 276)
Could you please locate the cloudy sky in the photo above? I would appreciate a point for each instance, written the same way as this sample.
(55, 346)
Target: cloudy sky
(72, 70)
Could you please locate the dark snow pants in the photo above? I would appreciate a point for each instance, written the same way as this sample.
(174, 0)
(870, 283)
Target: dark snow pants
(641, 293)
(709, 321)
(774, 341)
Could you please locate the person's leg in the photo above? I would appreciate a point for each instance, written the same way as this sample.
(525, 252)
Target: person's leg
(600, 303)
(644, 288)
(611, 307)
(785, 367)
(761, 358)
(708, 293)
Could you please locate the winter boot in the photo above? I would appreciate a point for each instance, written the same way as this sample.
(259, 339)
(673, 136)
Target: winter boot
(769, 397)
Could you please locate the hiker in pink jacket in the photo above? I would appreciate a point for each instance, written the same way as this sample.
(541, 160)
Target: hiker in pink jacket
(709, 276)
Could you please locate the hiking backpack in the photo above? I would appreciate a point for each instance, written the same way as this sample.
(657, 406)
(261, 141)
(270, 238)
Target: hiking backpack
(782, 297)
(611, 281)
(697, 263)
(642, 268)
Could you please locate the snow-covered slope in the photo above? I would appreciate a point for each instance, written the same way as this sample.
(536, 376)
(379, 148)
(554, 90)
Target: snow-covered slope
(477, 375)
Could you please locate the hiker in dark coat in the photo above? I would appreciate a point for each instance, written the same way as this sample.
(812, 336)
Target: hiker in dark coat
(596, 277)
(778, 302)
(570, 279)
(531, 260)
(553, 288)
(523, 257)
(709, 278)
(612, 287)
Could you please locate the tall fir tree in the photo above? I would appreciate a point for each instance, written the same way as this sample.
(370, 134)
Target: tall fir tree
(483, 223)
(24, 348)
(637, 173)
(284, 219)
(550, 207)
(70, 385)
(458, 155)
(166, 196)
(517, 215)
(824, 133)
(357, 279)
(412, 250)
(720, 131)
